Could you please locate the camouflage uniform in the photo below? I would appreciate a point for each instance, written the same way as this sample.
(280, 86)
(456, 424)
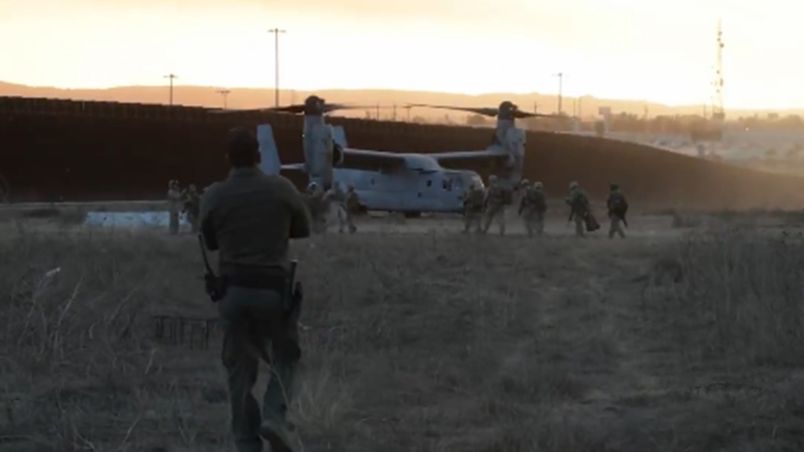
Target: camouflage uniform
(473, 208)
(351, 205)
(318, 206)
(617, 206)
(249, 218)
(334, 197)
(174, 205)
(579, 207)
(497, 198)
(192, 206)
(532, 207)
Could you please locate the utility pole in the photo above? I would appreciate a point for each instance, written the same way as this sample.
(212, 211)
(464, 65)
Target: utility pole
(560, 76)
(718, 113)
(171, 77)
(276, 32)
(224, 93)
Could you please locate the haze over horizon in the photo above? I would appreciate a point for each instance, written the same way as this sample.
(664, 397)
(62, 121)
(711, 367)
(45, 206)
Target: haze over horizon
(624, 49)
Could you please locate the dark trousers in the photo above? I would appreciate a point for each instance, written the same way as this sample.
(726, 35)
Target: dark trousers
(255, 328)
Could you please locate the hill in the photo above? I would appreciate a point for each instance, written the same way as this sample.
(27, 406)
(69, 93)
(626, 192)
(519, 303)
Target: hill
(207, 96)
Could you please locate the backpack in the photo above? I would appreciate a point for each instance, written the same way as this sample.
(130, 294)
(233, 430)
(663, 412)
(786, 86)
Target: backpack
(536, 199)
(618, 204)
(507, 196)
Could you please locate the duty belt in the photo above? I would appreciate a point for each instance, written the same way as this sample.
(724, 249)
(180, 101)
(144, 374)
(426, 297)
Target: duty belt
(275, 280)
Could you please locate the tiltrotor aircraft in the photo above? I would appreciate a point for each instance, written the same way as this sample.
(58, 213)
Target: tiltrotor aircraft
(389, 181)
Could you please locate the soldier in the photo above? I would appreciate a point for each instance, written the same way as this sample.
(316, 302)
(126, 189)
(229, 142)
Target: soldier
(473, 208)
(532, 207)
(174, 205)
(335, 197)
(579, 208)
(192, 206)
(618, 207)
(318, 207)
(249, 218)
(497, 198)
(351, 206)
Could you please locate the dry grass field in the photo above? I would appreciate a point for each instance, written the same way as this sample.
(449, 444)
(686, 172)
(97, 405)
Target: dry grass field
(419, 342)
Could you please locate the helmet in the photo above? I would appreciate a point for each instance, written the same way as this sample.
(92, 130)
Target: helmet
(573, 185)
(525, 182)
(538, 184)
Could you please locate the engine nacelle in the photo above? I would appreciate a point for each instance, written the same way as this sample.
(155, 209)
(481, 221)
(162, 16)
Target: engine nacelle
(337, 154)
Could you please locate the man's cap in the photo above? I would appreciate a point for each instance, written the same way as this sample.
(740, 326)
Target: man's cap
(241, 141)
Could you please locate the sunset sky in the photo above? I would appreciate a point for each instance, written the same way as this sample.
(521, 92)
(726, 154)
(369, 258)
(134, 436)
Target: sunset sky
(633, 49)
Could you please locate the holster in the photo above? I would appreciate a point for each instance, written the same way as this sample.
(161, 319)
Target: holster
(280, 281)
(293, 309)
(215, 287)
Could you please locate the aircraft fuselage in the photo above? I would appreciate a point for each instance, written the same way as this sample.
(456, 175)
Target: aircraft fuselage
(407, 190)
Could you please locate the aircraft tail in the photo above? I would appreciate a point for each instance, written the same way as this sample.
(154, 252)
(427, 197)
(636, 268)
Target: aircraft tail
(269, 163)
(339, 135)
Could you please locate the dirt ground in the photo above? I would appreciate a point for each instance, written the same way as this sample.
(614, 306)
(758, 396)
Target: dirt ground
(418, 338)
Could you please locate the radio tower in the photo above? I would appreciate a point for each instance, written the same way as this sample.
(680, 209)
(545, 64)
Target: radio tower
(718, 113)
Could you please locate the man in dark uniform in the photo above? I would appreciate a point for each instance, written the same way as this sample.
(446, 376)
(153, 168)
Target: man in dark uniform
(249, 218)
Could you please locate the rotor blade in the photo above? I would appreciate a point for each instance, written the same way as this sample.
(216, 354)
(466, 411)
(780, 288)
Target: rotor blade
(480, 111)
(333, 107)
(297, 108)
(525, 114)
(288, 109)
(236, 110)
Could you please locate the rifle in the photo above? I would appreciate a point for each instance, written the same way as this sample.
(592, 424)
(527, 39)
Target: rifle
(213, 284)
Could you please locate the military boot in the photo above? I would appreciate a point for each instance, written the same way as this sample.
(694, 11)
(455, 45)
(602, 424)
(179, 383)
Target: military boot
(280, 434)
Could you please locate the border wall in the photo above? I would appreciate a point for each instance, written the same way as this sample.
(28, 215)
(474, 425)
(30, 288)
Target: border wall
(64, 150)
